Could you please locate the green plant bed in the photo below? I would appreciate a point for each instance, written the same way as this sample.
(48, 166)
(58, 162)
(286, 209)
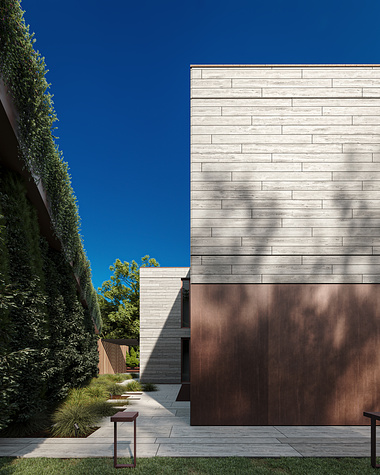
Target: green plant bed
(83, 406)
(148, 387)
(133, 386)
(118, 377)
(115, 389)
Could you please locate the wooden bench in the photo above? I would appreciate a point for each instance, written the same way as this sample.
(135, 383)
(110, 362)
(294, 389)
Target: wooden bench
(374, 416)
(124, 417)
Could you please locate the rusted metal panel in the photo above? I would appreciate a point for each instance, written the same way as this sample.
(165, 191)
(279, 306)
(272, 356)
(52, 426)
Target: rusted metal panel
(284, 354)
(229, 374)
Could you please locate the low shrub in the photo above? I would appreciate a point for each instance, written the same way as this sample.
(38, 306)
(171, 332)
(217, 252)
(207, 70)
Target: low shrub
(96, 391)
(73, 412)
(104, 408)
(115, 389)
(118, 377)
(147, 387)
(84, 412)
(133, 386)
(77, 395)
(132, 358)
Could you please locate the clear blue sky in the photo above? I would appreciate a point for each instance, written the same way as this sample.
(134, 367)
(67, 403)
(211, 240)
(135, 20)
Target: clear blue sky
(119, 72)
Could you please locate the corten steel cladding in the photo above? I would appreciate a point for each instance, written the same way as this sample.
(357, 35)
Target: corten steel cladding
(284, 354)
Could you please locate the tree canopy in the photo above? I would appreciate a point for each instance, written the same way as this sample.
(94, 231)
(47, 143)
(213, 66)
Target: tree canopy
(119, 299)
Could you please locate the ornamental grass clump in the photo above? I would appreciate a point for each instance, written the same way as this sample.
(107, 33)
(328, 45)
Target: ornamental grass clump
(84, 407)
(148, 387)
(133, 386)
(116, 389)
(73, 412)
(96, 391)
(118, 377)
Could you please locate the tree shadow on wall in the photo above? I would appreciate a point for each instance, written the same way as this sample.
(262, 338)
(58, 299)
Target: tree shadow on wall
(292, 354)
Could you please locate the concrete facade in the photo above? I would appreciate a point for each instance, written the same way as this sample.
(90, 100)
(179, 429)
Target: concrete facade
(160, 324)
(285, 166)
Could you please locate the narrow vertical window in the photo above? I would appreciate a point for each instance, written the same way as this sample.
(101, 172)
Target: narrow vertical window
(185, 360)
(185, 303)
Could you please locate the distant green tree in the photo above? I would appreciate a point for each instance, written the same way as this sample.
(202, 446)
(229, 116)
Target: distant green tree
(119, 299)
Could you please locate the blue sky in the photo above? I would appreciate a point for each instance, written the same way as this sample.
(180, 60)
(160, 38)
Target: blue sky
(119, 72)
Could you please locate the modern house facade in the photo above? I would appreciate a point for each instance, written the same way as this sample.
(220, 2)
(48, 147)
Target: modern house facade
(285, 244)
(164, 324)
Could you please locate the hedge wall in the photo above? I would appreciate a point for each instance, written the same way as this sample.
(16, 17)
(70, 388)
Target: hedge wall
(47, 340)
(23, 71)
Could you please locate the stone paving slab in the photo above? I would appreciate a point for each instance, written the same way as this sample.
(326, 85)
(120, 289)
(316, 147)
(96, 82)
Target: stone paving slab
(163, 429)
(18, 441)
(10, 450)
(142, 432)
(87, 450)
(333, 450)
(217, 440)
(324, 431)
(324, 440)
(223, 431)
(231, 450)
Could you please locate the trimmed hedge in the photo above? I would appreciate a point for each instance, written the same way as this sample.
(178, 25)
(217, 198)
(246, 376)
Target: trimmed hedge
(23, 71)
(47, 340)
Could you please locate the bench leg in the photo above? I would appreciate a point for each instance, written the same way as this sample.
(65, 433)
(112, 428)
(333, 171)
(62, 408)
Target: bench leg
(373, 443)
(114, 445)
(123, 465)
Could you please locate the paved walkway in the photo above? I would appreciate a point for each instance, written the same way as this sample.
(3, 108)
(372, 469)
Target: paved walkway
(163, 429)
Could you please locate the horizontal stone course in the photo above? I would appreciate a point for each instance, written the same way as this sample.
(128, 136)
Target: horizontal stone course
(289, 166)
(160, 324)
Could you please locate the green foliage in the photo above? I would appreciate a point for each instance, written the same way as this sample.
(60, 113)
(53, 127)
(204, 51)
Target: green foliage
(47, 343)
(72, 343)
(23, 71)
(132, 359)
(133, 386)
(96, 391)
(119, 377)
(73, 412)
(190, 465)
(84, 407)
(119, 299)
(115, 389)
(149, 387)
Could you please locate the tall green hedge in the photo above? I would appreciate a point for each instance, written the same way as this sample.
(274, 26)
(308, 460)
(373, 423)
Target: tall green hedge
(47, 340)
(23, 71)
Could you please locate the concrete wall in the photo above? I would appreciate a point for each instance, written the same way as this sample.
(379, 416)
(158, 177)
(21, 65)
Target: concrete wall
(160, 324)
(285, 166)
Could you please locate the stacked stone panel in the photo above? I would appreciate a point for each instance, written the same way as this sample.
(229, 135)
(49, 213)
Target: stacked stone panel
(285, 174)
(160, 324)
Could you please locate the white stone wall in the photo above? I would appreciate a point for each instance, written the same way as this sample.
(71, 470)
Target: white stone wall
(285, 174)
(160, 324)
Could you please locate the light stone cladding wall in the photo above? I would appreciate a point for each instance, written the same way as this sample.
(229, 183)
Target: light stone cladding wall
(285, 174)
(160, 324)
